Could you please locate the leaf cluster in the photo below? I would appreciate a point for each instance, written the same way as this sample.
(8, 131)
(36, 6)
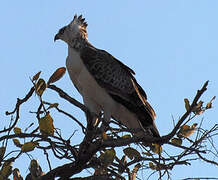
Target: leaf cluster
(108, 153)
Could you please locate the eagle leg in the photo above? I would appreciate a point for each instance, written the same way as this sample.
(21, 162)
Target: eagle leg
(94, 108)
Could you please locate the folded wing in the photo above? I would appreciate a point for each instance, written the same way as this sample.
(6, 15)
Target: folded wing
(118, 81)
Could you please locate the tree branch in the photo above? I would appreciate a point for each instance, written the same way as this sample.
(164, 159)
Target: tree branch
(68, 98)
(17, 109)
(182, 119)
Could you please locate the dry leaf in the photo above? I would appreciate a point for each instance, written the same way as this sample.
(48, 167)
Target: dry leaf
(35, 169)
(209, 104)
(98, 172)
(186, 131)
(126, 136)
(121, 167)
(135, 170)
(194, 126)
(17, 130)
(147, 153)
(182, 132)
(177, 141)
(187, 105)
(198, 108)
(17, 142)
(54, 105)
(156, 148)
(104, 136)
(36, 76)
(123, 160)
(16, 174)
(6, 169)
(152, 166)
(58, 74)
(40, 87)
(2, 152)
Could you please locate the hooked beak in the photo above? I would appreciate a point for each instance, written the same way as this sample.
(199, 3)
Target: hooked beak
(56, 37)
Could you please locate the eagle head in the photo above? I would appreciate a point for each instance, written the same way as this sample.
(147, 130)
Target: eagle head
(76, 29)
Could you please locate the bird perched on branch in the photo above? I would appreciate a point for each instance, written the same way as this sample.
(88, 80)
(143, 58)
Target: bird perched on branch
(105, 83)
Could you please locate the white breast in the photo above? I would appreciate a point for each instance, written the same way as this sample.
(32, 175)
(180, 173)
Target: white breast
(74, 65)
(84, 81)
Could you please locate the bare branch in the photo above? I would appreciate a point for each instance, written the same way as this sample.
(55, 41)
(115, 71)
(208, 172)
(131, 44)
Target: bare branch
(68, 98)
(17, 109)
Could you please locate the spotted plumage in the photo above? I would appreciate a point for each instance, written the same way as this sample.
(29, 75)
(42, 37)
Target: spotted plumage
(107, 70)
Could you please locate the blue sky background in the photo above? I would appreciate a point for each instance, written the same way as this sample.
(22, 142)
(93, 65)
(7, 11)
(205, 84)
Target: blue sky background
(171, 45)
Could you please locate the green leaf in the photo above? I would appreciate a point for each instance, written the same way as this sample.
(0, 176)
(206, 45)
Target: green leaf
(131, 153)
(107, 157)
(27, 147)
(46, 125)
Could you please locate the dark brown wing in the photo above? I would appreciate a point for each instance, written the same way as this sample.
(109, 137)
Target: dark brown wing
(118, 81)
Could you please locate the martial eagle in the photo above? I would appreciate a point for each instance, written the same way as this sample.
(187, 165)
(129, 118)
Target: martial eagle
(105, 83)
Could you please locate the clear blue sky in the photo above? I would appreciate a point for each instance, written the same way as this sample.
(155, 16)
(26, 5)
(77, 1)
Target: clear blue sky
(171, 45)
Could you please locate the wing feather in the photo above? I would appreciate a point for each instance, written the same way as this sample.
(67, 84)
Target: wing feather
(119, 82)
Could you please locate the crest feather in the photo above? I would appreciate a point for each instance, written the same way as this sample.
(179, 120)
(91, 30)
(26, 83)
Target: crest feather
(80, 21)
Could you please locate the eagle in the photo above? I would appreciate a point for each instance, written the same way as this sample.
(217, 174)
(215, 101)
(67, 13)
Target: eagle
(105, 83)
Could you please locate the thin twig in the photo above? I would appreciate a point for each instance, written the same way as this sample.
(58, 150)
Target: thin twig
(17, 109)
(49, 164)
